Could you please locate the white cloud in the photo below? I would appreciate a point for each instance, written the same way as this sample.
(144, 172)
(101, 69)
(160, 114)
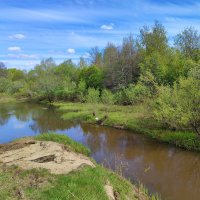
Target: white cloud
(17, 36)
(107, 27)
(14, 49)
(21, 14)
(71, 51)
(22, 56)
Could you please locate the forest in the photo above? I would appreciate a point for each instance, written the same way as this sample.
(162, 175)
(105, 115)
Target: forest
(148, 69)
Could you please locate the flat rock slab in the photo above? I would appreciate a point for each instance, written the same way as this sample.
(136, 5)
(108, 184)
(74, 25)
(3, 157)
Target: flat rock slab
(29, 154)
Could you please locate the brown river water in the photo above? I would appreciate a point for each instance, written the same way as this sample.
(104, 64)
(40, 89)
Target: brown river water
(171, 172)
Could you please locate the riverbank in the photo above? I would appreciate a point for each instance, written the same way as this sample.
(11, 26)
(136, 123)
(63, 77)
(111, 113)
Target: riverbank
(87, 181)
(136, 118)
(4, 98)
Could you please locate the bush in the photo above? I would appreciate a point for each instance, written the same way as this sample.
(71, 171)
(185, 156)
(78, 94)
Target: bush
(16, 86)
(93, 77)
(107, 97)
(136, 93)
(5, 85)
(120, 97)
(179, 107)
(93, 96)
(133, 94)
(81, 91)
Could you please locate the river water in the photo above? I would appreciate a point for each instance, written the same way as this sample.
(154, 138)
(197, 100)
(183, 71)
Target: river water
(169, 171)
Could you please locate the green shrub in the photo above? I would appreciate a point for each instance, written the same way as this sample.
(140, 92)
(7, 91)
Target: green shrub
(136, 93)
(81, 91)
(132, 94)
(119, 97)
(107, 97)
(179, 107)
(93, 96)
(5, 85)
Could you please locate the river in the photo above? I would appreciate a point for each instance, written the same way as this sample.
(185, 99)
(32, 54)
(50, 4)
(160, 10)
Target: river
(173, 173)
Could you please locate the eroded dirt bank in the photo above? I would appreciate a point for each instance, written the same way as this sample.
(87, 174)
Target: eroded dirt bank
(29, 154)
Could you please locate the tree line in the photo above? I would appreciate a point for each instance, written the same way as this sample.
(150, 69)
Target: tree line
(141, 69)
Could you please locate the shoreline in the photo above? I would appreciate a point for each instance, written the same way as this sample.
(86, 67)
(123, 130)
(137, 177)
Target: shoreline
(45, 177)
(84, 113)
(186, 140)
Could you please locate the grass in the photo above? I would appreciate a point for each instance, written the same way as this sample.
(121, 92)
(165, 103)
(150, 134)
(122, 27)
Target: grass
(137, 118)
(39, 184)
(5, 98)
(63, 139)
(85, 184)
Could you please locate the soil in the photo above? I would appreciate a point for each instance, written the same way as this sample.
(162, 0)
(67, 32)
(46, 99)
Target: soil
(56, 158)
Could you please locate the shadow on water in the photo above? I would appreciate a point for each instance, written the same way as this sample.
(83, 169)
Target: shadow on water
(172, 172)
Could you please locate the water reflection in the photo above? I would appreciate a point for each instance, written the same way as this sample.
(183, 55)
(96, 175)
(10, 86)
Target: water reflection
(172, 172)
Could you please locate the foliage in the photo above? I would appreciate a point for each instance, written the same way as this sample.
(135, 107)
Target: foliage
(5, 85)
(15, 74)
(179, 107)
(93, 96)
(93, 77)
(140, 69)
(3, 71)
(120, 64)
(154, 39)
(188, 42)
(81, 91)
(107, 97)
(136, 93)
(133, 94)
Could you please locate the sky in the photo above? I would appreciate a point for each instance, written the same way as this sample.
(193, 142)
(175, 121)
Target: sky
(31, 30)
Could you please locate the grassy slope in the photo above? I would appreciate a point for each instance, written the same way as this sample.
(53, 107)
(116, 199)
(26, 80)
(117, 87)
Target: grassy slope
(136, 118)
(63, 139)
(86, 184)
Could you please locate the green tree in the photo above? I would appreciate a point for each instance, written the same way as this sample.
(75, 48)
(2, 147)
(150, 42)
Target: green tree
(93, 77)
(67, 69)
(188, 42)
(3, 70)
(45, 80)
(155, 53)
(96, 57)
(154, 39)
(16, 74)
(110, 66)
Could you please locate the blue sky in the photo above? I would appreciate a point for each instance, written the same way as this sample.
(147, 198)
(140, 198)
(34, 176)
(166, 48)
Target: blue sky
(31, 30)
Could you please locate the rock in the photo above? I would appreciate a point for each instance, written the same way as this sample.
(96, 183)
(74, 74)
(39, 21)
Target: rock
(110, 192)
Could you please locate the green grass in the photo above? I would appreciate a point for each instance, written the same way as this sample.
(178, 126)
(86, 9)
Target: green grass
(63, 139)
(85, 184)
(137, 118)
(39, 184)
